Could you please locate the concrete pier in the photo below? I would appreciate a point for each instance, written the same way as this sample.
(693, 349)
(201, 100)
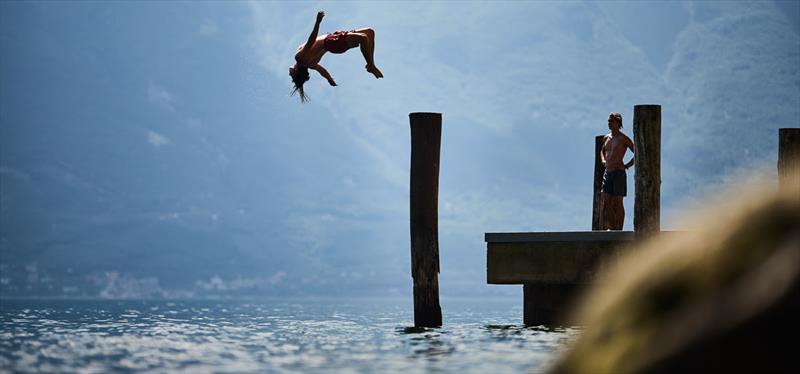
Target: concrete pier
(553, 267)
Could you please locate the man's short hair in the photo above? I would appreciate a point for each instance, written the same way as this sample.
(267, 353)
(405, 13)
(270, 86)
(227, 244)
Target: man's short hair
(616, 116)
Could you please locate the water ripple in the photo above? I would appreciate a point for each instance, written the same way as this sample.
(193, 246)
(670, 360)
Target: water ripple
(302, 336)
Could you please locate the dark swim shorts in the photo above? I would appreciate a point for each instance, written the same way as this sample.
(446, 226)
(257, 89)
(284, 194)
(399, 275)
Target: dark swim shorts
(615, 183)
(336, 42)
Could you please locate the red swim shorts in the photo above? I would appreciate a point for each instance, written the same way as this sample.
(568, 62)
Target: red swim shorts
(336, 42)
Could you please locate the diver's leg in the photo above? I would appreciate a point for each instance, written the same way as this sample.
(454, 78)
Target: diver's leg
(370, 33)
(366, 39)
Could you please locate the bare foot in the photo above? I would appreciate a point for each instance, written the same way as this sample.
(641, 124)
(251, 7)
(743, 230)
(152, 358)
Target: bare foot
(374, 70)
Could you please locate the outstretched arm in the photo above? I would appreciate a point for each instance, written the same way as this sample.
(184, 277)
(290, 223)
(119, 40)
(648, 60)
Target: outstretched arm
(314, 32)
(324, 73)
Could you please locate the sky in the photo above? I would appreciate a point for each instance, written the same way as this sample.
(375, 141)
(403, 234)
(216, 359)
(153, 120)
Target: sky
(152, 149)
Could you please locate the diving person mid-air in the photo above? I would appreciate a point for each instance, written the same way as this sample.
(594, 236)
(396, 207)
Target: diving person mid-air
(309, 54)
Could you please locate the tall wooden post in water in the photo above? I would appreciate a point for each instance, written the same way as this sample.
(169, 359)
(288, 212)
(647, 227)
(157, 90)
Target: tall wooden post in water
(426, 135)
(598, 222)
(789, 158)
(647, 160)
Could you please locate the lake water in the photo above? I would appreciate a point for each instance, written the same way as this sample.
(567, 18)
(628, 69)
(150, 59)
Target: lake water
(310, 335)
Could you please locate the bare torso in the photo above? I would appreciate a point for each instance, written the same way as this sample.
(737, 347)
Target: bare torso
(313, 55)
(614, 148)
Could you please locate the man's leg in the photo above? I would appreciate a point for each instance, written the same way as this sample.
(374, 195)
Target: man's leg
(372, 68)
(619, 182)
(619, 212)
(360, 39)
(370, 33)
(608, 210)
(366, 39)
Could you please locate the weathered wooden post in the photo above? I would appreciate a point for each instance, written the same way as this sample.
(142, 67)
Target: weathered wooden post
(426, 135)
(789, 158)
(647, 140)
(598, 222)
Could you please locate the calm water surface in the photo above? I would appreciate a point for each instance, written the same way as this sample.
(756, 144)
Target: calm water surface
(311, 335)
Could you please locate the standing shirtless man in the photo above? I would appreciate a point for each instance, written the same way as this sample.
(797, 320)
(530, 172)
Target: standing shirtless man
(308, 55)
(615, 180)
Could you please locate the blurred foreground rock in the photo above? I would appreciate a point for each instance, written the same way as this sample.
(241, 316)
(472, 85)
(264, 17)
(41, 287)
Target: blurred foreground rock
(723, 298)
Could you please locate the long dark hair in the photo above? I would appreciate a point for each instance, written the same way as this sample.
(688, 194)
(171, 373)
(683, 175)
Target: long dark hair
(300, 77)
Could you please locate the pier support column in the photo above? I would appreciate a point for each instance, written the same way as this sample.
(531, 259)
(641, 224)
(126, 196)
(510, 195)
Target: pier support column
(426, 135)
(789, 159)
(647, 140)
(547, 303)
(598, 218)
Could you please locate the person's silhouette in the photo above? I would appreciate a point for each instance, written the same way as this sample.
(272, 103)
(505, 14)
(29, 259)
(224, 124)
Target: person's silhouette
(309, 54)
(615, 187)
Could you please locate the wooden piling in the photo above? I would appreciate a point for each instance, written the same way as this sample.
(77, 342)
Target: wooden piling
(647, 157)
(597, 200)
(426, 135)
(789, 158)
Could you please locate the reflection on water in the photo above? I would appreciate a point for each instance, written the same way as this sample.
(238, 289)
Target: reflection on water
(316, 335)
